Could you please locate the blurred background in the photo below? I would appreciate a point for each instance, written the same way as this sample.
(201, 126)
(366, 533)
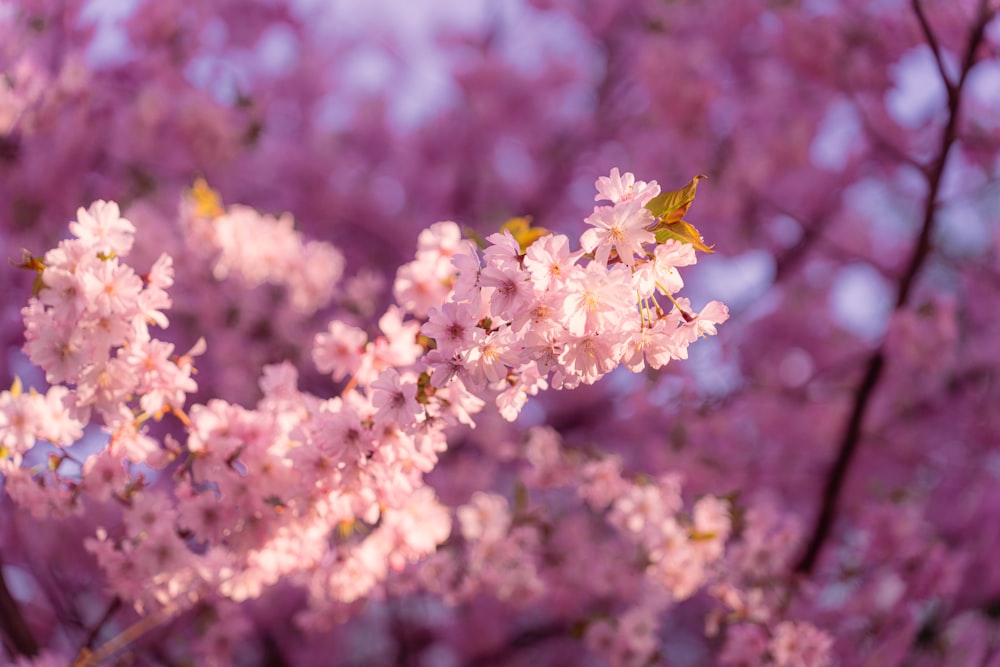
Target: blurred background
(852, 150)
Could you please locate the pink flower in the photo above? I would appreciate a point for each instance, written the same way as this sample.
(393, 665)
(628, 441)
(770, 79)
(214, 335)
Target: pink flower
(503, 251)
(640, 508)
(490, 356)
(422, 284)
(399, 347)
(621, 227)
(418, 527)
(661, 273)
(485, 517)
(20, 418)
(60, 351)
(338, 349)
(361, 291)
(395, 399)
(602, 482)
(102, 226)
(336, 430)
(799, 644)
(112, 288)
(444, 368)
(656, 344)
(161, 274)
(64, 294)
(529, 380)
(461, 403)
(161, 381)
(106, 386)
(597, 299)
(58, 426)
(104, 474)
(512, 292)
(592, 355)
(549, 260)
(451, 326)
(466, 263)
(439, 241)
(129, 439)
(544, 344)
(618, 187)
(705, 322)
(711, 526)
(637, 631)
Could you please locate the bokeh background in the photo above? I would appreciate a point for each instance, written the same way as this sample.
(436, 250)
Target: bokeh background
(852, 149)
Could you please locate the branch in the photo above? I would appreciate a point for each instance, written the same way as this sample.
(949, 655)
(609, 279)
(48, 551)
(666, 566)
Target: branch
(113, 607)
(812, 232)
(948, 138)
(851, 437)
(15, 628)
(932, 41)
(845, 455)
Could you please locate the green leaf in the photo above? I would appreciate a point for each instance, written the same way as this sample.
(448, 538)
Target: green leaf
(670, 207)
(684, 232)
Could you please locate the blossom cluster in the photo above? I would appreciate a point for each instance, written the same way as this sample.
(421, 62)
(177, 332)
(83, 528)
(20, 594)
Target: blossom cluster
(329, 493)
(278, 254)
(88, 329)
(582, 533)
(519, 319)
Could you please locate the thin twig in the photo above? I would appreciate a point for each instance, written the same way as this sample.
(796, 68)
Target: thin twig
(932, 41)
(117, 643)
(113, 607)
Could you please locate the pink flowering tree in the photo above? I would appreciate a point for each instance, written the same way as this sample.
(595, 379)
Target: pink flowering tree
(258, 407)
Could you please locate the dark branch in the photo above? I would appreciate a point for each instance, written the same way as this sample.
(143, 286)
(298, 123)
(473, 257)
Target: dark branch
(15, 628)
(845, 454)
(851, 436)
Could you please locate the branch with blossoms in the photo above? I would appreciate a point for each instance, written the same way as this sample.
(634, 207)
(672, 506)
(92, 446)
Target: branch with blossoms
(329, 493)
(529, 317)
